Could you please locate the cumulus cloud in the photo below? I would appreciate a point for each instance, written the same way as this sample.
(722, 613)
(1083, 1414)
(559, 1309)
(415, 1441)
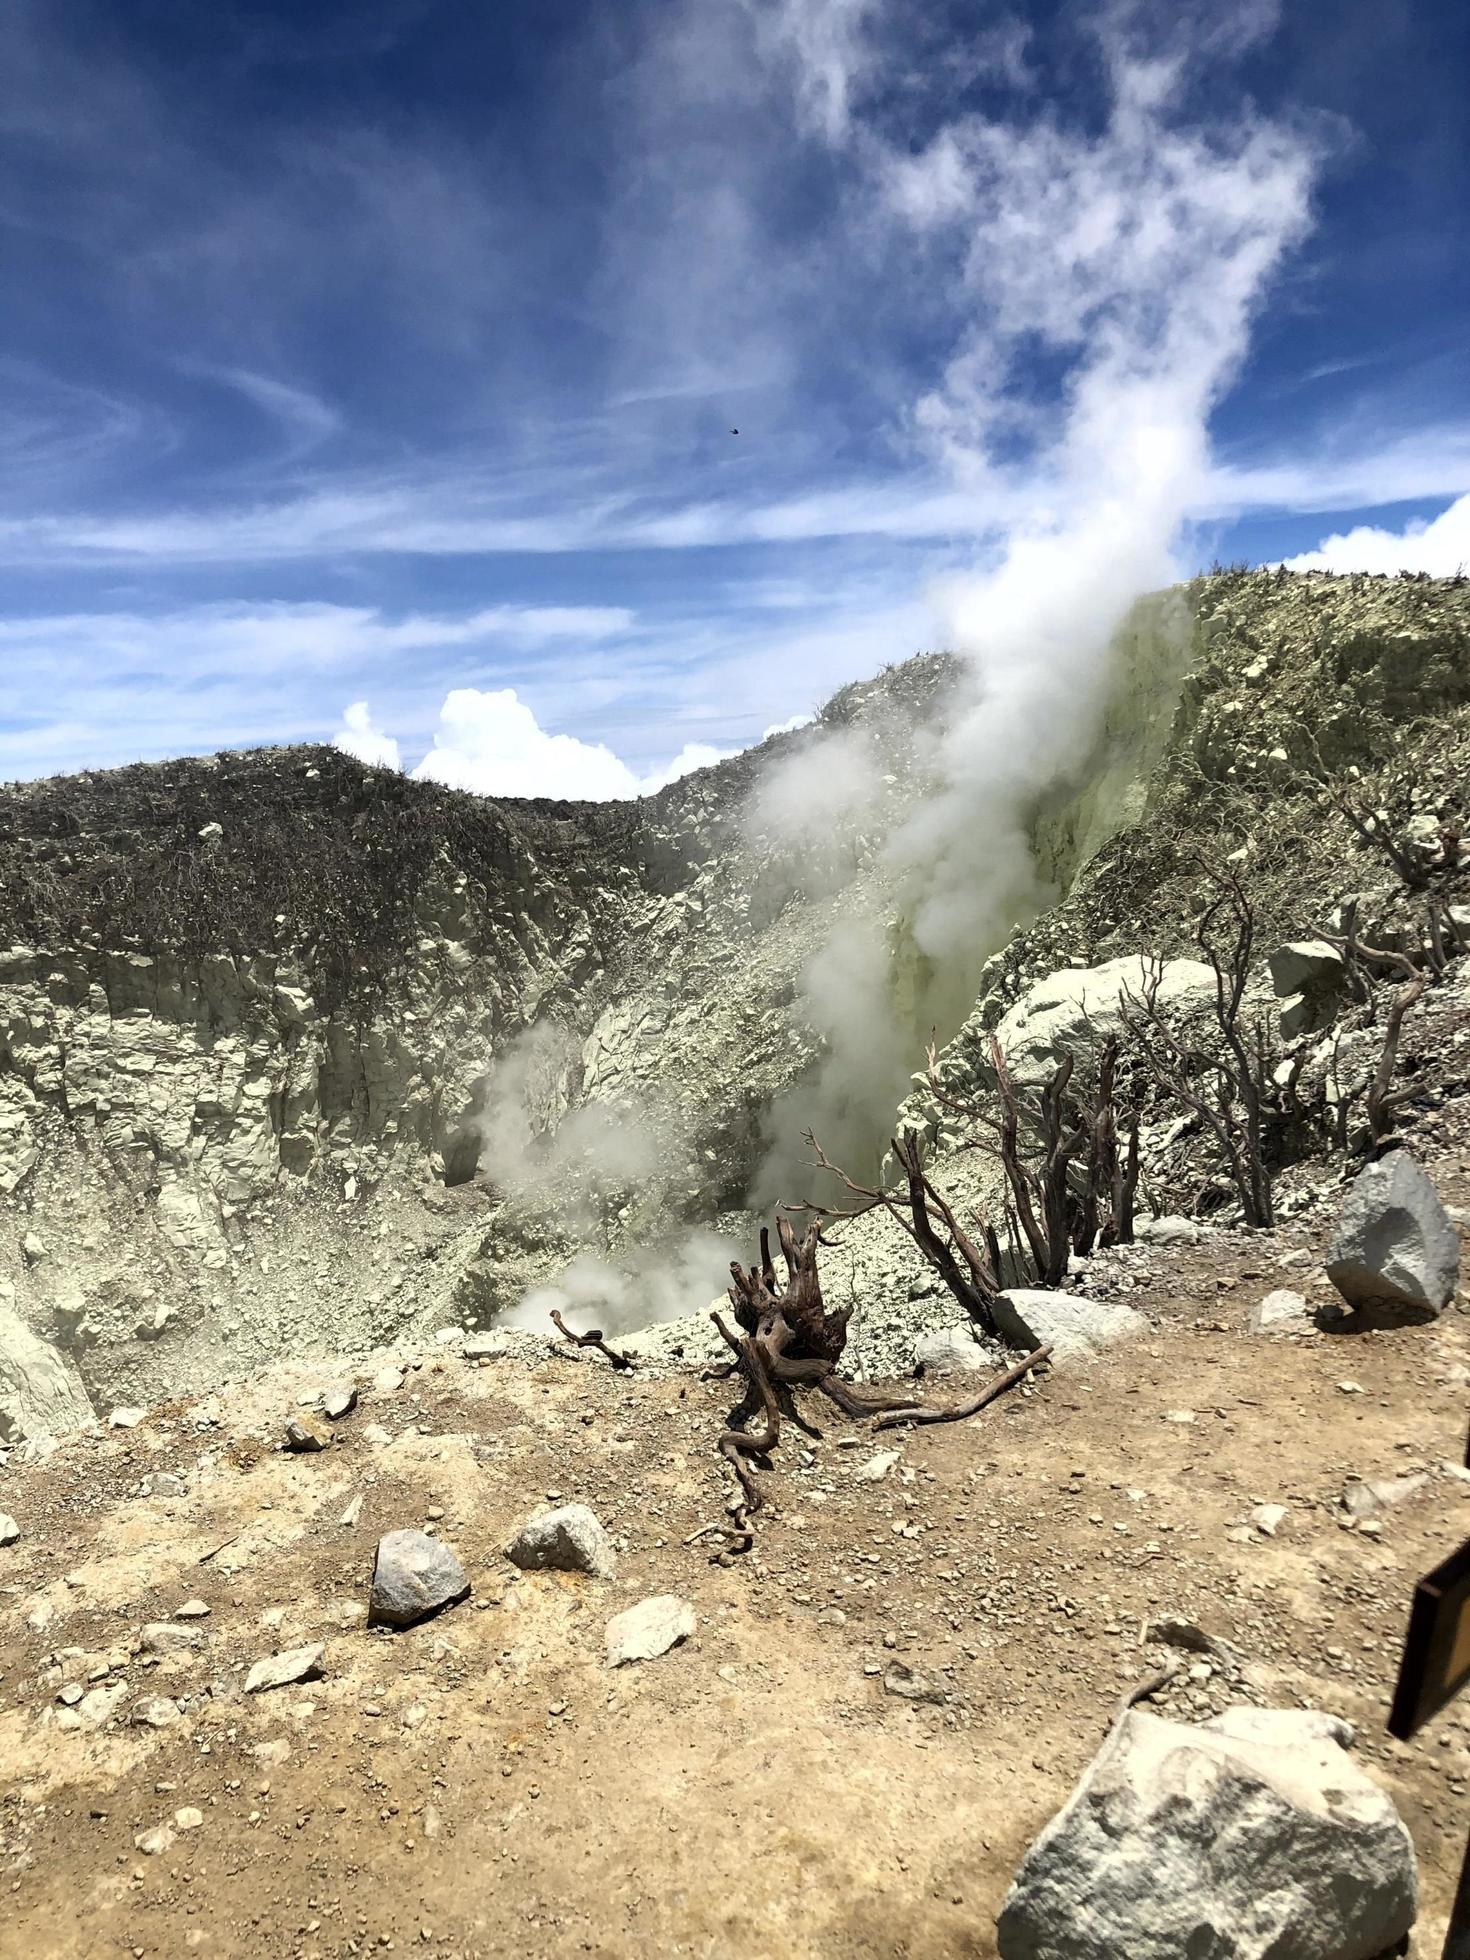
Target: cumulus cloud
(1438, 545)
(358, 737)
(489, 741)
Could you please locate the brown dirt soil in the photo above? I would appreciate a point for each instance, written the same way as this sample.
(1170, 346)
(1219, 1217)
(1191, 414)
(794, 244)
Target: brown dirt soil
(484, 1785)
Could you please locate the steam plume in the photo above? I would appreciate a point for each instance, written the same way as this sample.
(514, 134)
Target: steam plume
(1108, 275)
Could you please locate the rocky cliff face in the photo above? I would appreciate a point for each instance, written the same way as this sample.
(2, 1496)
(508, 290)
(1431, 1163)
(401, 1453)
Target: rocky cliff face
(294, 1052)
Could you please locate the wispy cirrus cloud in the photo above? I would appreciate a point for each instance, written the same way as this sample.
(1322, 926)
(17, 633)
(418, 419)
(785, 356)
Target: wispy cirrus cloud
(315, 335)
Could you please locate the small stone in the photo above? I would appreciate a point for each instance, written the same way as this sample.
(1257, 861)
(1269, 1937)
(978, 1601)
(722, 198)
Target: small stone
(192, 1609)
(353, 1512)
(484, 1347)
(877, 1467)
(126, 1418)
(157, 1712)
(951, 1351)
(9, 1529)
(97, 1706)
(1269, 1518)
(33, 1249)
(280, 1670)
(339, 1400)
(649, 1629)
(1180, 1415)
(166, 1637)
(187, 1818)
(1281, 1312)
(388, 1381)
(570, 1539)
(903, 1681)
(306, 1432)
(413, 1576)
(151, 1843)
(1360, 1499)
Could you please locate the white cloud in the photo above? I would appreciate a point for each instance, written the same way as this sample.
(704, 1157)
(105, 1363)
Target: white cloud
(693, 755)
(489, 741)
(358, 737)
(787, 727)
(1439, 546)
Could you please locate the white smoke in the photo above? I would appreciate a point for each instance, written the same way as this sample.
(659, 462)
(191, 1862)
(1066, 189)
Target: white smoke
(1107, 275)
(669, 1282)
(575, 1168)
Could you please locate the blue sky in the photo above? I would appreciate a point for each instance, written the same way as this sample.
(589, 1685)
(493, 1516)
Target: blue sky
(390, 352)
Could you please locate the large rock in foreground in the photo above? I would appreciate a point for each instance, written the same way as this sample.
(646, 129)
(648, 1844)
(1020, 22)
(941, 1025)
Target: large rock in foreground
(415, 1575)
(1252, 1837)
(1394, 1244)
(569, 1540)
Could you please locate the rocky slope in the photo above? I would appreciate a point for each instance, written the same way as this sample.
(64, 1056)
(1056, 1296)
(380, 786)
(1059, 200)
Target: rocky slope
(294, 1052)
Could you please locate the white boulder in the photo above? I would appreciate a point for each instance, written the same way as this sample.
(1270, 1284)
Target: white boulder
(1079, 1006)
(1074, 1328)
(1254, 1836)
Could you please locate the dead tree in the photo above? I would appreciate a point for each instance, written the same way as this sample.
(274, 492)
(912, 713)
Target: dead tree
(1223, 1083)
(1417, 869)
(593, 1339)
(789, 1339)
(1381, 1099)
(1070, 1186)
(969, 1263)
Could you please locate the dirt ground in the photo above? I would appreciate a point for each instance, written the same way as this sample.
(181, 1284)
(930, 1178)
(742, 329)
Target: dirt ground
(484, 1785)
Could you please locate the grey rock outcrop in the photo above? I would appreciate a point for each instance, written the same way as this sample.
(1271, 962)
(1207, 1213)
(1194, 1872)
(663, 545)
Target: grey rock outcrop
(414, 1575)
(1394, 1244)
(1250, 1836)
(567, 1540)
(649, 1629)
(1306, 966)
(1076, 1329)
(40, 1393)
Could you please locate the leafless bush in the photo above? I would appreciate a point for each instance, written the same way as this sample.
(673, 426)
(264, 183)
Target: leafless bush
(1225, 1081)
